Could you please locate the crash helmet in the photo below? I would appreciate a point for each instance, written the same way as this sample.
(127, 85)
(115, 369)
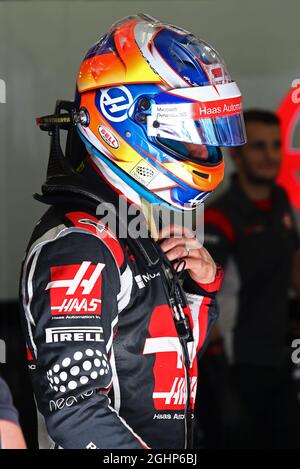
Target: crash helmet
(155, 104)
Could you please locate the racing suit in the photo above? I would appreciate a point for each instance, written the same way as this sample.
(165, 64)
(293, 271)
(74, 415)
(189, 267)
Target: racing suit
(104, 353)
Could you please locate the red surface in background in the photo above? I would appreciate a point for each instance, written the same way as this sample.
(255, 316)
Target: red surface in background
(289, 176)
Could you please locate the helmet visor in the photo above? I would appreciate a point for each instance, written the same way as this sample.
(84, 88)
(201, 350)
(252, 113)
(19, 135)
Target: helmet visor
(208, 115)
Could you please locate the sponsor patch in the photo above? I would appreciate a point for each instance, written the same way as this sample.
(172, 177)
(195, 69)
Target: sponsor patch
(91, 445)
(169, 391)
(196, 110)
(59, 404)
(143, 279)
(78, 369)
(74, 334)
(76, 289)
(108, 137)
(143, 172)
(220, 108)
(115, 102)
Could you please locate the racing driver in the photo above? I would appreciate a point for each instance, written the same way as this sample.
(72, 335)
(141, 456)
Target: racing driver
(115, 321)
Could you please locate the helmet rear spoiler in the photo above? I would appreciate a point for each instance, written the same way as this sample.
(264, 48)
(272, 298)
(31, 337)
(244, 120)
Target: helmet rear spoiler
(65, 117)
(58, 119)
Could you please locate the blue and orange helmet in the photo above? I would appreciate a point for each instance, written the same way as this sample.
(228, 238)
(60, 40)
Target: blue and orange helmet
(148, 94)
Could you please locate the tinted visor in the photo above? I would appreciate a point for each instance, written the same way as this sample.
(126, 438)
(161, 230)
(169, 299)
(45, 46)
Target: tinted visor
(206, 155)
(208, 115)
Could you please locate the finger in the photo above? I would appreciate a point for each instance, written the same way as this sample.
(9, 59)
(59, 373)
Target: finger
(189, 264)
(170, 231)
(200, 271)
(175, 230)
(193, 244)
(179, 252)
(170, 243)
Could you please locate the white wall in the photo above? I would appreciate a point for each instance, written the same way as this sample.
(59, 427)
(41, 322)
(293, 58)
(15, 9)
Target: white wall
(42, 43)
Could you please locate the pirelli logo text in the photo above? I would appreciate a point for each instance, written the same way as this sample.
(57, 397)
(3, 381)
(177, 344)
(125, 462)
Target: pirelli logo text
(76, 289)
(74, 334)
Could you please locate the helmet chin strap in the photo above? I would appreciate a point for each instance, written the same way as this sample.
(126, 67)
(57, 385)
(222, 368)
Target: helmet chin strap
(148, 209)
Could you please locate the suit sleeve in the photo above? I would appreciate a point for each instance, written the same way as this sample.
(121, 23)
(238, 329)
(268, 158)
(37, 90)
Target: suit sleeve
(71, 302)
(202, 302)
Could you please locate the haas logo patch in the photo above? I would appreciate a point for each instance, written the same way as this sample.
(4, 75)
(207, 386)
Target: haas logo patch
(76, 289)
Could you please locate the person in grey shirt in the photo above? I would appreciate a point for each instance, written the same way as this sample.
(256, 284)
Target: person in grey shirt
(11, 436)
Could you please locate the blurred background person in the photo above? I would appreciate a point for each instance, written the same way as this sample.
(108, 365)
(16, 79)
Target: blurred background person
(250, 231)
(11, 436)
(14, 370)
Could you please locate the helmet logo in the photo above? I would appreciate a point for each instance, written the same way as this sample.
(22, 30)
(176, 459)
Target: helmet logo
(108, 137)
(114, 103)
(196, 200)
(217, 74)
